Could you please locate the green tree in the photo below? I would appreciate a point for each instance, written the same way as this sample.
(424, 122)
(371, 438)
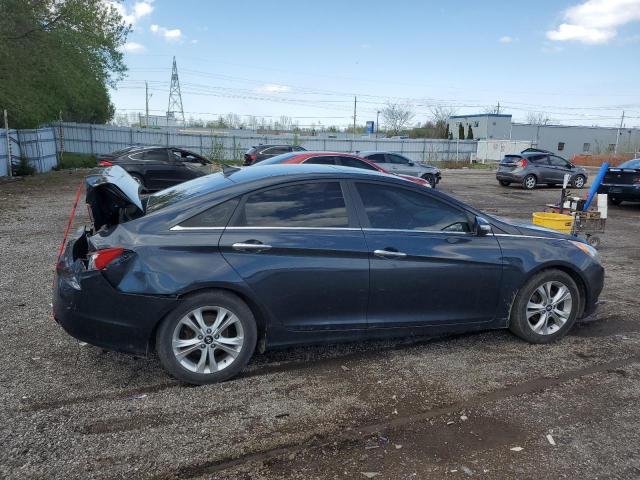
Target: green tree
(470, 133)
(460, 131)
(59, 56)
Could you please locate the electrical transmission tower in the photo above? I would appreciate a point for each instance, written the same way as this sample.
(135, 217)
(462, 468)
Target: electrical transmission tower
(175, 109)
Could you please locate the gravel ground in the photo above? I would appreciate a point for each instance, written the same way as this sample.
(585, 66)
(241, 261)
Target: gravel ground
(481, 405)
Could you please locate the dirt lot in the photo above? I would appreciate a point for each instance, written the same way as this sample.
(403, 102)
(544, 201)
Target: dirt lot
(424, 408)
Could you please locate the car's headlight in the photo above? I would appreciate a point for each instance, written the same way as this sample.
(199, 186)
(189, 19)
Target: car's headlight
(588, 249)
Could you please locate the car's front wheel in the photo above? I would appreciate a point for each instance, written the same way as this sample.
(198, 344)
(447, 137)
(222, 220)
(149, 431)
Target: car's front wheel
(546, 307)
(429, 177)
(579, 181)
(209, 338)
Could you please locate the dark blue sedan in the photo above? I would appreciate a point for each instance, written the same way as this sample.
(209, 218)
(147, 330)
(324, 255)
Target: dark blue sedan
(207, 271)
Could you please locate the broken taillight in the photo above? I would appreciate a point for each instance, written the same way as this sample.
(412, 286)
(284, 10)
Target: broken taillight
(99, 260)
(105, 163)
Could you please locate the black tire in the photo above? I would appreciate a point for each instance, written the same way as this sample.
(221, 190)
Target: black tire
(529, 182)
(431, 179)
(504, 183)
(518, 322)
(615, 201)
(226, 300)
(579, 181)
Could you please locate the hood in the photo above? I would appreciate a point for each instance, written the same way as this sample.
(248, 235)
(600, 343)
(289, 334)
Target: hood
(112, 197)
(527, 228)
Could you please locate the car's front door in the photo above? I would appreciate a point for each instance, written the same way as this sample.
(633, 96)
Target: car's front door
(400, 164)
(558, 168)
(302, 252)
(160, 169)
(427, 266)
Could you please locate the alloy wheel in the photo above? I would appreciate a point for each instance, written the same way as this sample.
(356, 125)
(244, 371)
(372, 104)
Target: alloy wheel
(579, 182)
(207, 339)
(530, 182)
(549, 308)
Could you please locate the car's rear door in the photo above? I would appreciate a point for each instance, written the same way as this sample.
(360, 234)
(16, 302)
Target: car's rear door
(303, 253)
(161, 171)
(427, 267)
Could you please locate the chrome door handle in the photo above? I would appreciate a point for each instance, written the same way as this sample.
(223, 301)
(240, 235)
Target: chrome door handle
(389, 254)
(256, 247)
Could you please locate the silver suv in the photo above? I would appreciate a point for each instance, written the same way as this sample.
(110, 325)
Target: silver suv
(401, 165)
(532, 168)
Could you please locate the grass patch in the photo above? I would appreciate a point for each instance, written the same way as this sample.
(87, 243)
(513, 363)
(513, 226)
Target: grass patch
(77, 160)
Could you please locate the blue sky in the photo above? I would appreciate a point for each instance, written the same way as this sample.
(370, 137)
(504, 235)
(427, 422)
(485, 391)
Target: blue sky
(575, 61)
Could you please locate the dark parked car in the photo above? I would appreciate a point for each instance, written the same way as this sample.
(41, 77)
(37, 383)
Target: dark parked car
(622, 183)
(396, 163)
(156, 168)
(204, 272)
(334, 158)
(531, 168)
(261, 152)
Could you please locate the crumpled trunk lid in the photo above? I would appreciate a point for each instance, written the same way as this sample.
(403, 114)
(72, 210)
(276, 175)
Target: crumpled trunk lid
(112, 197)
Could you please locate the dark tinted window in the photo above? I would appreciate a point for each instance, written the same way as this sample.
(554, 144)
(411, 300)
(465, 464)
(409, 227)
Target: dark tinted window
(377, 157)
(355, 163)
(217, 216)
(157, 154)
(276, 150)
(630, 164)
(326, 160)
(511, 158)
(538, 159)
(397, 159)
(305, 205)
(557, 161)
(298, 148)
(401, 209)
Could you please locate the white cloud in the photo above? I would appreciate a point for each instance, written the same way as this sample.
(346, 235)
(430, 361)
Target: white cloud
(140, 9)
(272, 88)
(506, 39)
(132, 47)
(595, 21)
(170, 35)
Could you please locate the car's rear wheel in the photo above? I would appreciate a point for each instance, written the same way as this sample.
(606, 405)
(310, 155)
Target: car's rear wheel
(209, 338)
(529, 182)
(546, 307)
(431, 179)
(579, 181)
(504, 183)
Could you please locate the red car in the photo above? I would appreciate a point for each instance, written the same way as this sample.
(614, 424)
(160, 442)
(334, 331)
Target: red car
(336, 158)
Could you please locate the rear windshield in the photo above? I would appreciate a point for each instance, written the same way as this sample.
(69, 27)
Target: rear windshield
(630, 164)
(183, 191)
(277, 159)
(510, 158)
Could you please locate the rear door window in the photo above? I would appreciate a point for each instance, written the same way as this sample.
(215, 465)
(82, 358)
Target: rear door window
(159, 154)
(213, 217)
(539, 159)
(558, 161)
(317, 204)
(356, 163)
(395, 208)
(397, 159)
(324, 160)
(377, 158)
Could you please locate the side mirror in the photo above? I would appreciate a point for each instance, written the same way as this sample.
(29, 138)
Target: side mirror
(482, 227)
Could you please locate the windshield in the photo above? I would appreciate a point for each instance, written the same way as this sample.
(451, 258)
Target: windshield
(277, 159)
(193, 188)
(635, 163)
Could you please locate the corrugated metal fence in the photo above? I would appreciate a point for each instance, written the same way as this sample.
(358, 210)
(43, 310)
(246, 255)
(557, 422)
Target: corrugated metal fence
(98, 139)
(40, 146)
(37, 146)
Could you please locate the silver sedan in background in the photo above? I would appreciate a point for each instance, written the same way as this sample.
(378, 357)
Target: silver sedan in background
(399, 164)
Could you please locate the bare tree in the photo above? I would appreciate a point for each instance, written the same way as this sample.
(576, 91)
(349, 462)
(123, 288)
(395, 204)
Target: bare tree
(396, 117)
(440, 118)
(538, 118)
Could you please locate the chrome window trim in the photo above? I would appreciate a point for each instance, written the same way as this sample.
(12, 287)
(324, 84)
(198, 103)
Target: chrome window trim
(179, 228)
(416, 231)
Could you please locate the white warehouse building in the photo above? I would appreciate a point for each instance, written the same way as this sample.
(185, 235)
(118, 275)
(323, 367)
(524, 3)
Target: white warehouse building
(565, 140)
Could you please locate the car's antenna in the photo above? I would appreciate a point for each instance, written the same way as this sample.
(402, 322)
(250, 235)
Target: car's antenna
(228, 169)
